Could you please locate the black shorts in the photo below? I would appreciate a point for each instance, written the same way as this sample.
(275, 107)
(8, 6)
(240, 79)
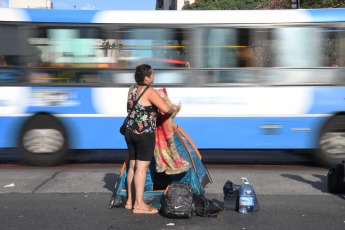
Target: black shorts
(140, 146)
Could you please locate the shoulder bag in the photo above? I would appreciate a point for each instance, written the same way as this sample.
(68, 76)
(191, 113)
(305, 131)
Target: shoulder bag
(123, 126)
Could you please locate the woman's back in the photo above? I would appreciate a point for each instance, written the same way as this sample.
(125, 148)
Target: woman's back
(143, 116)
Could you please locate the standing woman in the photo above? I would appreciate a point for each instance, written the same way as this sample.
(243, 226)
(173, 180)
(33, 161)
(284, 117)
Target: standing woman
(140, 135)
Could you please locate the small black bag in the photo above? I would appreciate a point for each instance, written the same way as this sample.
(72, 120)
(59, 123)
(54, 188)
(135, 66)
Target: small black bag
(178, 201)
(123, 126)
(336, 179)
(230, 191)
(205, 207)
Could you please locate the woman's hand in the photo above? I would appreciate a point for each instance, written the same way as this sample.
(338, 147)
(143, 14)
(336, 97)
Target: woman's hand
(175, 108)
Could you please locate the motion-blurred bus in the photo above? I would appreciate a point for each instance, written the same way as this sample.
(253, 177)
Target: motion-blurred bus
(246, 80)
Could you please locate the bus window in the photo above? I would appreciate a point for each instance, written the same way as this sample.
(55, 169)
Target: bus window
(161, 48)
(297, 47)
(341, 47)
(13, 50)
(73, 45)
(329, 57)
(262, 47)
(66, 47)
(218, 48)
(13, 41)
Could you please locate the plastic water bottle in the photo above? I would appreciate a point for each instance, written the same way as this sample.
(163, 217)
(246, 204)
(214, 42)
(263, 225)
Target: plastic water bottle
(246, 198)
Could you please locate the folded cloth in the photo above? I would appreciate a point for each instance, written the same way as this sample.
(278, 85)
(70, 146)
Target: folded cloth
(167, 158)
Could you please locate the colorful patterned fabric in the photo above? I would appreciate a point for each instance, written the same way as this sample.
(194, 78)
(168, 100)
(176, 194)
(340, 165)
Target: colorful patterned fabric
(143, 118)
(167, 158)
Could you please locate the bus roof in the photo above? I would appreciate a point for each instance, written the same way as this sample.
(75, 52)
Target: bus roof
(172, 17)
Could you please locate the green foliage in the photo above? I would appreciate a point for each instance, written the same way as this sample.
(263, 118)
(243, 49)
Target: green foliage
(222, 5)
(317, 4)
(261, 4)
(274, 5)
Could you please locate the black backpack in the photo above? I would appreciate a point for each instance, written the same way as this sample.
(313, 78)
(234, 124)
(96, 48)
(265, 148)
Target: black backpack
(178, 201)
(336, 179)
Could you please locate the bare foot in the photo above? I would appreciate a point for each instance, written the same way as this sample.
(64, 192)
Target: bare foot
(144, 209)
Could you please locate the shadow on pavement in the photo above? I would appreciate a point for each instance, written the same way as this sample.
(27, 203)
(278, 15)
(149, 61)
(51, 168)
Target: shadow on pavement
(319, 185)
(210, 156)
(110, 180)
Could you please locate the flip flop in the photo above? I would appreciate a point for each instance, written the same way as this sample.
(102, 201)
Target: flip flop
(129, 205)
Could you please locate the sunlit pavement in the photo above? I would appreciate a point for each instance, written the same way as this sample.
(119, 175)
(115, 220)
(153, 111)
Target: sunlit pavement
(76, 196)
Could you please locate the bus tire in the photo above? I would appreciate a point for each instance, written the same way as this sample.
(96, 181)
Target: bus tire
(331, 143)
(43, 141)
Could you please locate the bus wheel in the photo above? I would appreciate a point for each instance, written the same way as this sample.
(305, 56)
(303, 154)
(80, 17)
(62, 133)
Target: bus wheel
(43, 141)
(331, 148)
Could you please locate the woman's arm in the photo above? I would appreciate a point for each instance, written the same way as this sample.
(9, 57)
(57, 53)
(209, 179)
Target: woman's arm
(156, 100)
(130, 90)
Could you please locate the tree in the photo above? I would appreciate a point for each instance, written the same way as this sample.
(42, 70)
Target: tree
(222, 5)
(274, 5)
(317, 4)
(261, 4)
(304, 4)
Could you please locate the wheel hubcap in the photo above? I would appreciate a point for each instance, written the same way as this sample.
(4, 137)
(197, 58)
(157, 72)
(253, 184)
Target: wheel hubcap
(43, 140)
(333, 143)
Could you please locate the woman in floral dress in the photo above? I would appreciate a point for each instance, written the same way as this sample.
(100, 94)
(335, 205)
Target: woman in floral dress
(140, 135)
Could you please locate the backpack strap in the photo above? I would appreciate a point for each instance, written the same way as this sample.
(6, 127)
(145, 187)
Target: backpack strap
(166, 190)
(136, 101)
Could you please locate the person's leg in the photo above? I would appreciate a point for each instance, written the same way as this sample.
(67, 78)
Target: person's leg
(139, 183)
(130, 173)
(145, 144)
(130, 185)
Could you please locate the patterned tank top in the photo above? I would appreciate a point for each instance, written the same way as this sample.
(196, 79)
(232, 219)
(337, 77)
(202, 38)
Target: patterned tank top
(143, 118)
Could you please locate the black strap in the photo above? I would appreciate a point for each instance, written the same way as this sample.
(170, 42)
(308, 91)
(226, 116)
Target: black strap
(136, 101)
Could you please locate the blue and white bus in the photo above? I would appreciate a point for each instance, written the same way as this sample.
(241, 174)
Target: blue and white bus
(270, 79)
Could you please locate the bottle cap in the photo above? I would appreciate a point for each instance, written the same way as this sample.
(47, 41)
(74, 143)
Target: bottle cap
(245, 180)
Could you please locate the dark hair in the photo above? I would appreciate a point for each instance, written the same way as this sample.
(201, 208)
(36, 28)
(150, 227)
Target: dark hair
(141, 71)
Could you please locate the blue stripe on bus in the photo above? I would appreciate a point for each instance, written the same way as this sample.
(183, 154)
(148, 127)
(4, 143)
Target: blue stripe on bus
(327, 100)
(205, 132)
(69, 16)
(9, 131)
(252, 132)
(327, 15)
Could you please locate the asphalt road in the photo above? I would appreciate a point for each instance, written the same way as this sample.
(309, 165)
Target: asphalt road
(209, 156)
(76, 196)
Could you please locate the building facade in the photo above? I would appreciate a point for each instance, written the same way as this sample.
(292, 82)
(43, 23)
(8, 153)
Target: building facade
(172, 4)
(38, 4)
